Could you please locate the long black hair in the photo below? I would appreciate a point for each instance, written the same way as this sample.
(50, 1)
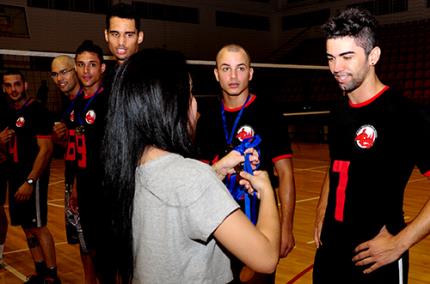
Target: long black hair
(148, 106)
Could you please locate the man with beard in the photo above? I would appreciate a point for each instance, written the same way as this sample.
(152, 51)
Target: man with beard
(30, 150)
(84, 146)
(360, 231)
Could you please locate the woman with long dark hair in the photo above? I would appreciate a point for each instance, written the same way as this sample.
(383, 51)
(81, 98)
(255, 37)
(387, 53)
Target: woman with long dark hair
(169, 214)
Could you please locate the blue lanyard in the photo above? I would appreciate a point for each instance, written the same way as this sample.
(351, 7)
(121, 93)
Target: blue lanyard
(71, 105)
(229, 138)
(21, 111)
(79, 116)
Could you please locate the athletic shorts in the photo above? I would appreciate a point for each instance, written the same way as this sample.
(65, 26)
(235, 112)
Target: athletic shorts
(32, 213)
(3, 182)
(336, 267)
(89, 192)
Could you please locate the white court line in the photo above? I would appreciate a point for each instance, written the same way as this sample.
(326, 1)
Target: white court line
(55, 205)
(310, 169)
(26, 249)
(307, 199)
(15, 272)
(56, 182)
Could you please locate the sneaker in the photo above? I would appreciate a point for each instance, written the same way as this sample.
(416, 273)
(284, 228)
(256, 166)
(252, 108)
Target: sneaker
(50, 280)
(34, 279)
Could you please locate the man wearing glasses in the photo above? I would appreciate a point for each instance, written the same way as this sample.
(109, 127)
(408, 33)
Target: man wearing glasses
(64, 76)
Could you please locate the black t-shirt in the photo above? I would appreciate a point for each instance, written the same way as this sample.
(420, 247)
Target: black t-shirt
(30, 122)
(258, 118)
(68, 119)
(374, 147)
(4, 114)
(88, 117)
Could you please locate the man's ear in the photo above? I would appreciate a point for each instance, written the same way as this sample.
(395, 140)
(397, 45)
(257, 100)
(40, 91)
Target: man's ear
(216, 74)
(106, 35)
(374, 55)
(251, 73)
(140, 37)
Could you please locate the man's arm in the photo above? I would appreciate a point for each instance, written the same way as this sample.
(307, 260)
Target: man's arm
(39, 165)
(386, 248)
(287, 198)
(321, 208)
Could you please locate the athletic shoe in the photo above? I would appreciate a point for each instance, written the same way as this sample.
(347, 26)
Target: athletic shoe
(50, 280)
(34, 279)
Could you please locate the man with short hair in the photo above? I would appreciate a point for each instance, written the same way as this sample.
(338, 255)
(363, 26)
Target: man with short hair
(30, 151)
(122, 33)
(84, 146)
(360, 232)
(123, 36)
(64, 76)
(5, 135)
(242, 116)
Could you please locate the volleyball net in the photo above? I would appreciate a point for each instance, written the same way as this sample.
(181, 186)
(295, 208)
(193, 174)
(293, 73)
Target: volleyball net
(302, 93)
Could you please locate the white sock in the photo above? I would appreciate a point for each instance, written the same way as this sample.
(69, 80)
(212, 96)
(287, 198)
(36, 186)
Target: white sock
(1, 251)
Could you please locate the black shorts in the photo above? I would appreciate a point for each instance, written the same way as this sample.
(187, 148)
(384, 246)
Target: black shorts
(3, 182)
(32, 213)
(89, 192)
(336, 267)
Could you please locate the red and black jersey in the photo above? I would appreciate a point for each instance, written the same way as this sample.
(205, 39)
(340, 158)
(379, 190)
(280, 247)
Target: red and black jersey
(31, 122)
(89, 123)
(86, 122)
(257, 118)
(374, 147)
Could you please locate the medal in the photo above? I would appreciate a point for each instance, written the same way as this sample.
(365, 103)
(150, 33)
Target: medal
(80, 130)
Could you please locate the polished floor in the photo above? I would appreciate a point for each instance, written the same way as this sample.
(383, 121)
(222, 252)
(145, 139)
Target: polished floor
(310, 162)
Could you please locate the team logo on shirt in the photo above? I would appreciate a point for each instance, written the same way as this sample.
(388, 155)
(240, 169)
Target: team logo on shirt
(90, 116)
(20, 121)
(245, 132)
(72, 116)
(365, 136)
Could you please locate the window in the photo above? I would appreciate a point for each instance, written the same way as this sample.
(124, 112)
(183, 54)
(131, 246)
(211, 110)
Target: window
(242, 21)
(86, 6)
(315, 18)
(167, 12)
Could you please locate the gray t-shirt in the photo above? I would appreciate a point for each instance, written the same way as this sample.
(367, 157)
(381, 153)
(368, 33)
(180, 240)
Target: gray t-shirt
(178, 204)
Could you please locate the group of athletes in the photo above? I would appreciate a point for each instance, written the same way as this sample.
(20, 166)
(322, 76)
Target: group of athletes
(360, 233)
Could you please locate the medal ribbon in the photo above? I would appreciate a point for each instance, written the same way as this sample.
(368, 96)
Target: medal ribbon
(79, 116)
(71, 106)
(229, 138)
(238, 191)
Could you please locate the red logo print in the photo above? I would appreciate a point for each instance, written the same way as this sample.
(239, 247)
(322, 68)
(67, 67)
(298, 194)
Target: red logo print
(90, 117)
(365, 136)
(245, 132)
(20, 121)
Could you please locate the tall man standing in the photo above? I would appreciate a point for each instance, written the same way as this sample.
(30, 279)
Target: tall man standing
(359, 228)
(30, 151)
(122, 34)
(242, 115)
(84, 146)
(63, 74)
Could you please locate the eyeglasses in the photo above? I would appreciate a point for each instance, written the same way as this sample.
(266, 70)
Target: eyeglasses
(62, 73)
